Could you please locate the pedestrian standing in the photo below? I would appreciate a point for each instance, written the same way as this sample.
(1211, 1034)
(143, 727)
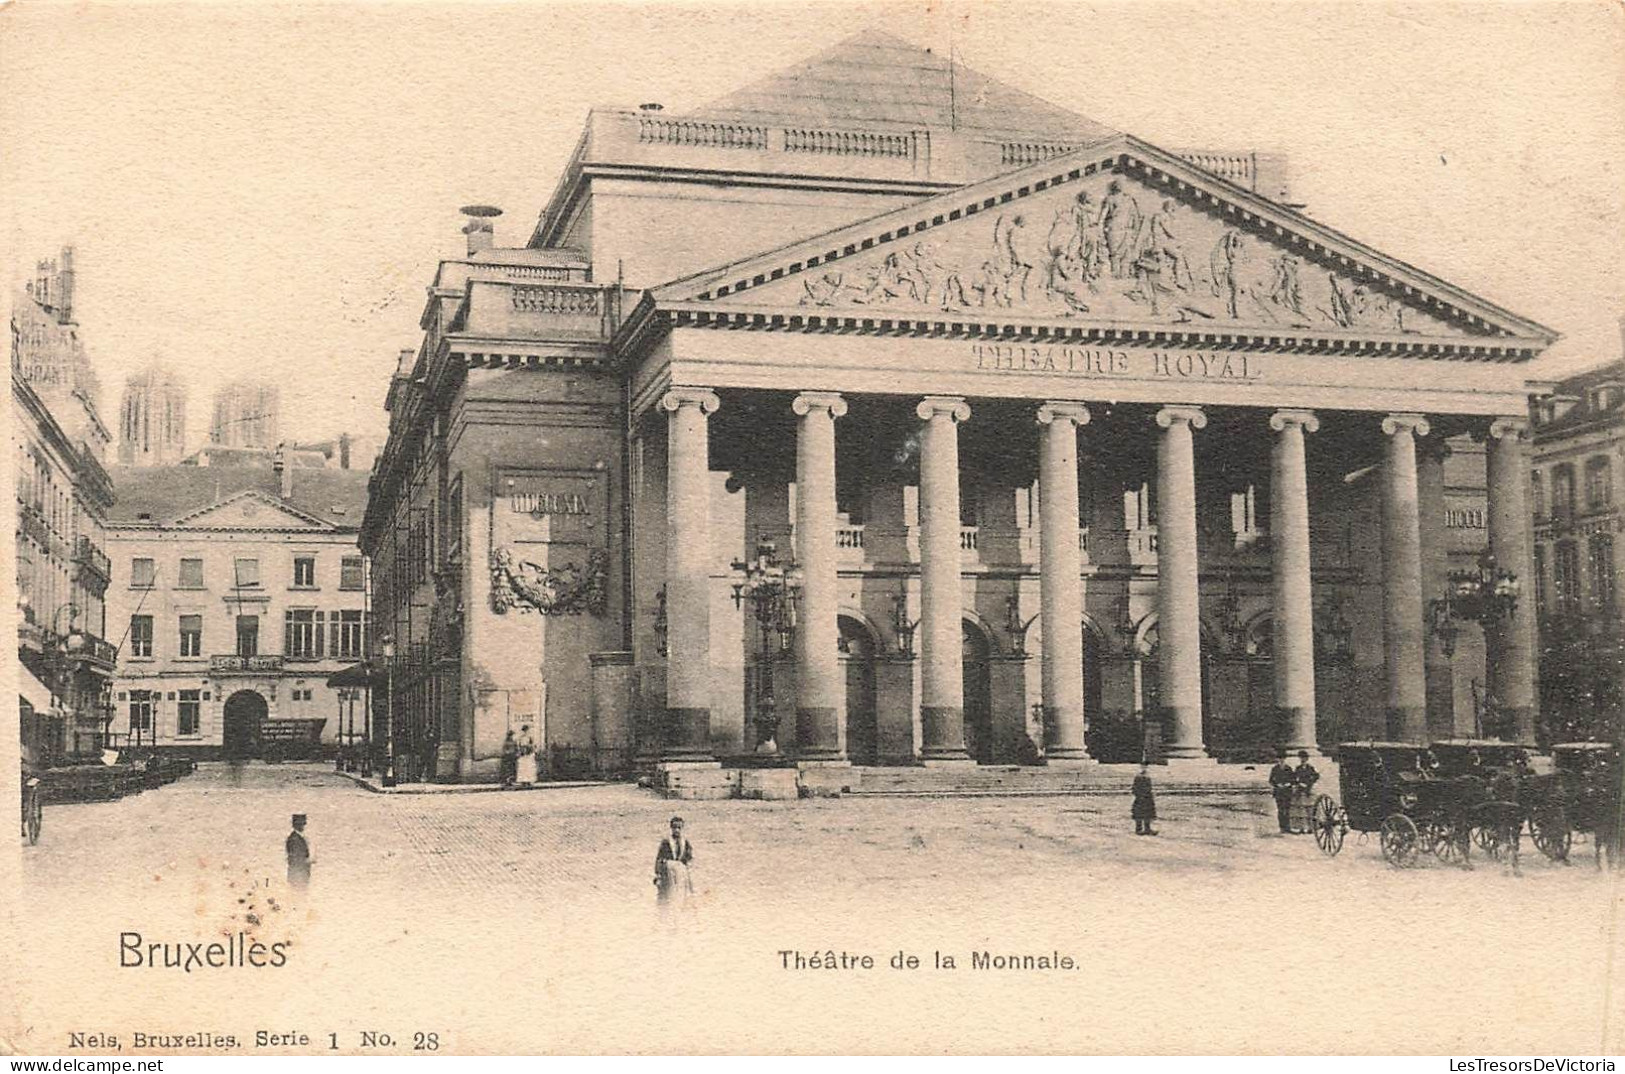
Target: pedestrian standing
(1304, 778)
(1282, 782)
(298, 850)
(526, 763)
(510, 759)
(673, 885)
(1144, 810)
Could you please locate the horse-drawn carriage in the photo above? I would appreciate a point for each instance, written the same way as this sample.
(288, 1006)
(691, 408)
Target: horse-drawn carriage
(1586, 781)
(1389, 788)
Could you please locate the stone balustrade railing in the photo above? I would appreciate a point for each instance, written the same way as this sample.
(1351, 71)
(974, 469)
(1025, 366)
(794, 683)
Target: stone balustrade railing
(848, 143)
(700, 134)
(567, 301)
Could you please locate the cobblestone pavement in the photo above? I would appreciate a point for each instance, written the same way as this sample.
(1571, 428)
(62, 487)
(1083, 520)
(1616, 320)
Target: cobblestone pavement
(487, 915)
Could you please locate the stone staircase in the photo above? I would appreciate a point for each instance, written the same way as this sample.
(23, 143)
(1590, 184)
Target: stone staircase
(1037, 780)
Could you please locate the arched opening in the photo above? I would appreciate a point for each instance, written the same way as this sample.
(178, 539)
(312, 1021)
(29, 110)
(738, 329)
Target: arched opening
(858, 648)
(1151, 676)
(1095, 649)
(245, 711)
(977, 652)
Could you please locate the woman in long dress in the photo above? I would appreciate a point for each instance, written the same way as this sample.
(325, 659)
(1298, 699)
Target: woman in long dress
(526, 762)
(673, 885)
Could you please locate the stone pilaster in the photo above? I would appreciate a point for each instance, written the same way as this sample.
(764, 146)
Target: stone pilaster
(942, 686)
(1179, 616)
(1510, 644)
(1430, 497)
(1403, 639)
(820, 686)
(688, 573)
(1061, 592)
(1293, 607)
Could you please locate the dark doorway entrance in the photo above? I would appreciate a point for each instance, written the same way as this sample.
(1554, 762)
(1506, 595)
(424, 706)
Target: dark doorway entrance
(245, 711)
(976, 651)
(858, 659)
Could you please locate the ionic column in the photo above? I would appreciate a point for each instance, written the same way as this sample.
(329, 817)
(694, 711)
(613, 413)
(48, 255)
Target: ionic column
(1511, 642)
(1061, 594)
(942, 671)
(820, 688)
(1403, 638)
(1179, 614)
(688, 573)
(1294, 608)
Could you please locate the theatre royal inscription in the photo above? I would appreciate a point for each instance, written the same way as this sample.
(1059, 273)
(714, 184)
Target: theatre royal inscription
(1064, 359)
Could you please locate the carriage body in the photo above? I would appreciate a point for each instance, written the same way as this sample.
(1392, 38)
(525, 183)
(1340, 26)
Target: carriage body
(1395, 789)
(1587, 775)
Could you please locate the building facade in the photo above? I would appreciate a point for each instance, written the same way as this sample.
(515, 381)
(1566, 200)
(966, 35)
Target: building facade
(63, 497)
(237, 590)
(947, 426)
(1578, 484)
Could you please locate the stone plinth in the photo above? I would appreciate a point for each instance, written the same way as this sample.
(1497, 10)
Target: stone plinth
(696, 779)
(768, 784)
(820, 779)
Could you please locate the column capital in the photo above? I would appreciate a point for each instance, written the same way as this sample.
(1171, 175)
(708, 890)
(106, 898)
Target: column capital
(1060, 410)
(677, 398)
(1187, 415)
(807, 402)
(1305, 419)
(953, 407)
(1411, 423)
(1509, 427)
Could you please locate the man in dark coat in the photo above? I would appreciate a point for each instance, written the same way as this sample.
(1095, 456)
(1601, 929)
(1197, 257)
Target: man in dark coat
(1304, 778)
(1281, 783)
(1144, 810)
(510, 759)
(298, 848)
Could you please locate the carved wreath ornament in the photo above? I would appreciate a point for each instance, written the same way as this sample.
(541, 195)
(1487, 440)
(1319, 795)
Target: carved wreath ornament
(566, 590)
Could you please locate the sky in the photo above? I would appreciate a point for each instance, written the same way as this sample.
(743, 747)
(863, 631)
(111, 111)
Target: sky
(264, 190)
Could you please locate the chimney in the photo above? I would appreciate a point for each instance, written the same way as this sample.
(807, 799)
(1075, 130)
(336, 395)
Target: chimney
(64, 286)
(284, 470)
(478, 227)
(344, 451)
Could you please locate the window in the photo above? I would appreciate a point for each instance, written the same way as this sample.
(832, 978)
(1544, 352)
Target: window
(142, 573)
(248, 635)
(141, 635)
(188, 716)
(351, 572)
(1599, 489)
(191, 575)
(1601, 551)
(247, 572)
(347, 634)
(191, 635)
(454, 520)
(304, 572)
(1566, 579)
(1540, 580)
(140, 710)
(302, 634)
(1563, 492)
(1537, 495)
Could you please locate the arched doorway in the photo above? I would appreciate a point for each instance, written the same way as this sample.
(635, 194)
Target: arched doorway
(1095, 649)
(245, 710)
(858, 660)
(1151, 676)
(977, 652)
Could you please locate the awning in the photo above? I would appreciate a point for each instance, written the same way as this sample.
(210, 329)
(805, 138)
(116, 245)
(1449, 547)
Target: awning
(31, 690)
(355, 675)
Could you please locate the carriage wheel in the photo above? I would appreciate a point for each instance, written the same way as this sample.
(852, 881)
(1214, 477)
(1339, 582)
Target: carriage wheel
(1446, 841)
(1400, 841)
(1550, 829)
(32, 818)
(1328, 824)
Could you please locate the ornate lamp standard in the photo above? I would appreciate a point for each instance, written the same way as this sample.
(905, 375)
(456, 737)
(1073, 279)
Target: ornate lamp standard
(388, 650)
(1485, 595)
(773, 590)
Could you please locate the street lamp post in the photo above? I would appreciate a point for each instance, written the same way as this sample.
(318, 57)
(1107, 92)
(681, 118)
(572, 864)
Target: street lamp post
(389, 710)
(773, 590)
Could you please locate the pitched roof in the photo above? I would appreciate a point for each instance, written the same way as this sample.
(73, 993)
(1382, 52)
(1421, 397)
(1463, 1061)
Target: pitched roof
(166, 493)
(874, 79)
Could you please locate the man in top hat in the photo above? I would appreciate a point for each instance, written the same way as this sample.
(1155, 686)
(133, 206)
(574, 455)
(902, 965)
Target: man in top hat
(1304, 778)
(298, 848)
(1282, 781)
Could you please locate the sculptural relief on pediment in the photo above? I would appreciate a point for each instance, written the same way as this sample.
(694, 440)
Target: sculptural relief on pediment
(1111, 249)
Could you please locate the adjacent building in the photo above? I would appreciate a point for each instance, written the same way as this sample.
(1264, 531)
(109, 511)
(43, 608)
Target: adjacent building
(237, 591)
(63, 497)
(1578, 487)
(882, 413)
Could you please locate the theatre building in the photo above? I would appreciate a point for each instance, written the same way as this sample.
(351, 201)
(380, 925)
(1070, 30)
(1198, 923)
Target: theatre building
(882, 414)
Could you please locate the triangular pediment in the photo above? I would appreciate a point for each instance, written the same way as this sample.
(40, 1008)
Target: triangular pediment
(250, 511)
(1119, 233)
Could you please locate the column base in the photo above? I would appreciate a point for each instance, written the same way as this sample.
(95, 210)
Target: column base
(769, 784)
(826, 779)
(698, 779)
(1188, 761)
(1069, 760)
(947, 759)
(943, 729)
